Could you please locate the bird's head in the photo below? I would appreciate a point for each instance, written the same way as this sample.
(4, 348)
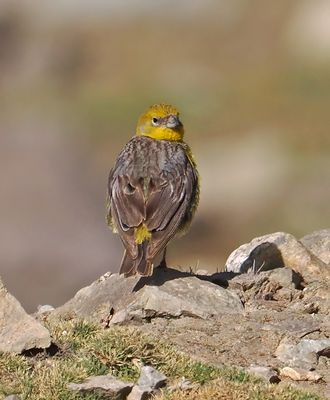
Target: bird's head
(160, 121)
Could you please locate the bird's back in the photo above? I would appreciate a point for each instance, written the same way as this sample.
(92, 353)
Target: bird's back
(153, 193)
(143, 157)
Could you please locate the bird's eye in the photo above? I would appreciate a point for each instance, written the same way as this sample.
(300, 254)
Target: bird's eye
(155, 121)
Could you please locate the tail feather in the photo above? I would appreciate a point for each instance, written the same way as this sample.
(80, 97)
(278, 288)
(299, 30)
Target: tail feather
(139, 265)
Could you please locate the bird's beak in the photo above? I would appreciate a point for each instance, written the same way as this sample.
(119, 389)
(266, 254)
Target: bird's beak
(173, 121)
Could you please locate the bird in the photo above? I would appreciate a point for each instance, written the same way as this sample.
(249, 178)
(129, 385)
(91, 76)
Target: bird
(153, 190)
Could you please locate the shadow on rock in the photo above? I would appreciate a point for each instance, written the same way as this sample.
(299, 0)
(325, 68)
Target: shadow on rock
(163, 275)
(160, 276)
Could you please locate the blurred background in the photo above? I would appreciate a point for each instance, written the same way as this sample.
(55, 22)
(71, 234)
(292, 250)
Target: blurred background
(252, 81)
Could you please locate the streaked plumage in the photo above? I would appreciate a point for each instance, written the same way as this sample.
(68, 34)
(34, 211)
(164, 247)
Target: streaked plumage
(153, 189)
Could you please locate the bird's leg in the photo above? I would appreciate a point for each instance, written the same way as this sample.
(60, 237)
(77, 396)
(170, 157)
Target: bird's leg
(163, 264)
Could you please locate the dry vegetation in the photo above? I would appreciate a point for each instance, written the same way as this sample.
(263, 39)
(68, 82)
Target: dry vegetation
(82, 349)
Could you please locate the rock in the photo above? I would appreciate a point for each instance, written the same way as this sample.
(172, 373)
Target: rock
(45, 309)
(318, 293)
(318, 243)
(96, 301)
(266, 373)
(140, 393)
(151, 378)
(277, 250)
(286, 278)
(104, 385)
(280, 278)
(168, 293)
(120, 317)
(12, 397)
(299, 374)
(303, 354)
(280, 285)
(183, 385)
(245, 282)
(289, 324)
(304, 307)
(18, 330)
(186, 297)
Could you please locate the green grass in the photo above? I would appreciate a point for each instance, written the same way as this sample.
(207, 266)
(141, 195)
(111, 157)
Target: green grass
(85, 349)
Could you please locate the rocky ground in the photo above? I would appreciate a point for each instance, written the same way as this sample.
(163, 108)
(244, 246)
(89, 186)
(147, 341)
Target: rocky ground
(269, 313)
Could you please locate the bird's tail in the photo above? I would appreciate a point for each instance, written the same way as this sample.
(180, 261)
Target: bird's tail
(139, 265)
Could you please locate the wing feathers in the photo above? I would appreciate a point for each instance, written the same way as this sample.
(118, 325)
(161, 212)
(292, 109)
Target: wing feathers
(152, 195)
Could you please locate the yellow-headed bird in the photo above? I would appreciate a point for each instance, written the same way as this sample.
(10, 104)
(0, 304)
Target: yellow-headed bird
(153, 189)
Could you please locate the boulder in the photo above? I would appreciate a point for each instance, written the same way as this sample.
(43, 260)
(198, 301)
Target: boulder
(168, 293)
(277, 250)
(18, 330)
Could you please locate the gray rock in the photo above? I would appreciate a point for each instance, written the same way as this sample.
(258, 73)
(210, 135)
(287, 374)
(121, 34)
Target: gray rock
(140, 393)
(318, 243)
(186, 297)
(105, 385)
(18, 330)
(266, 373)
(168, 293)
(120, 317)
(290, 324)
(286, 278)
(98, 301)
(12, 397)
(304, 354)
(151, 378)
(277, 250)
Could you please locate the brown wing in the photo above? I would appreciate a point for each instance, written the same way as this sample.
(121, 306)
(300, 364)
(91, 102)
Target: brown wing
(162, 212)
(127, 209)
(173, 202)
(160, 201)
